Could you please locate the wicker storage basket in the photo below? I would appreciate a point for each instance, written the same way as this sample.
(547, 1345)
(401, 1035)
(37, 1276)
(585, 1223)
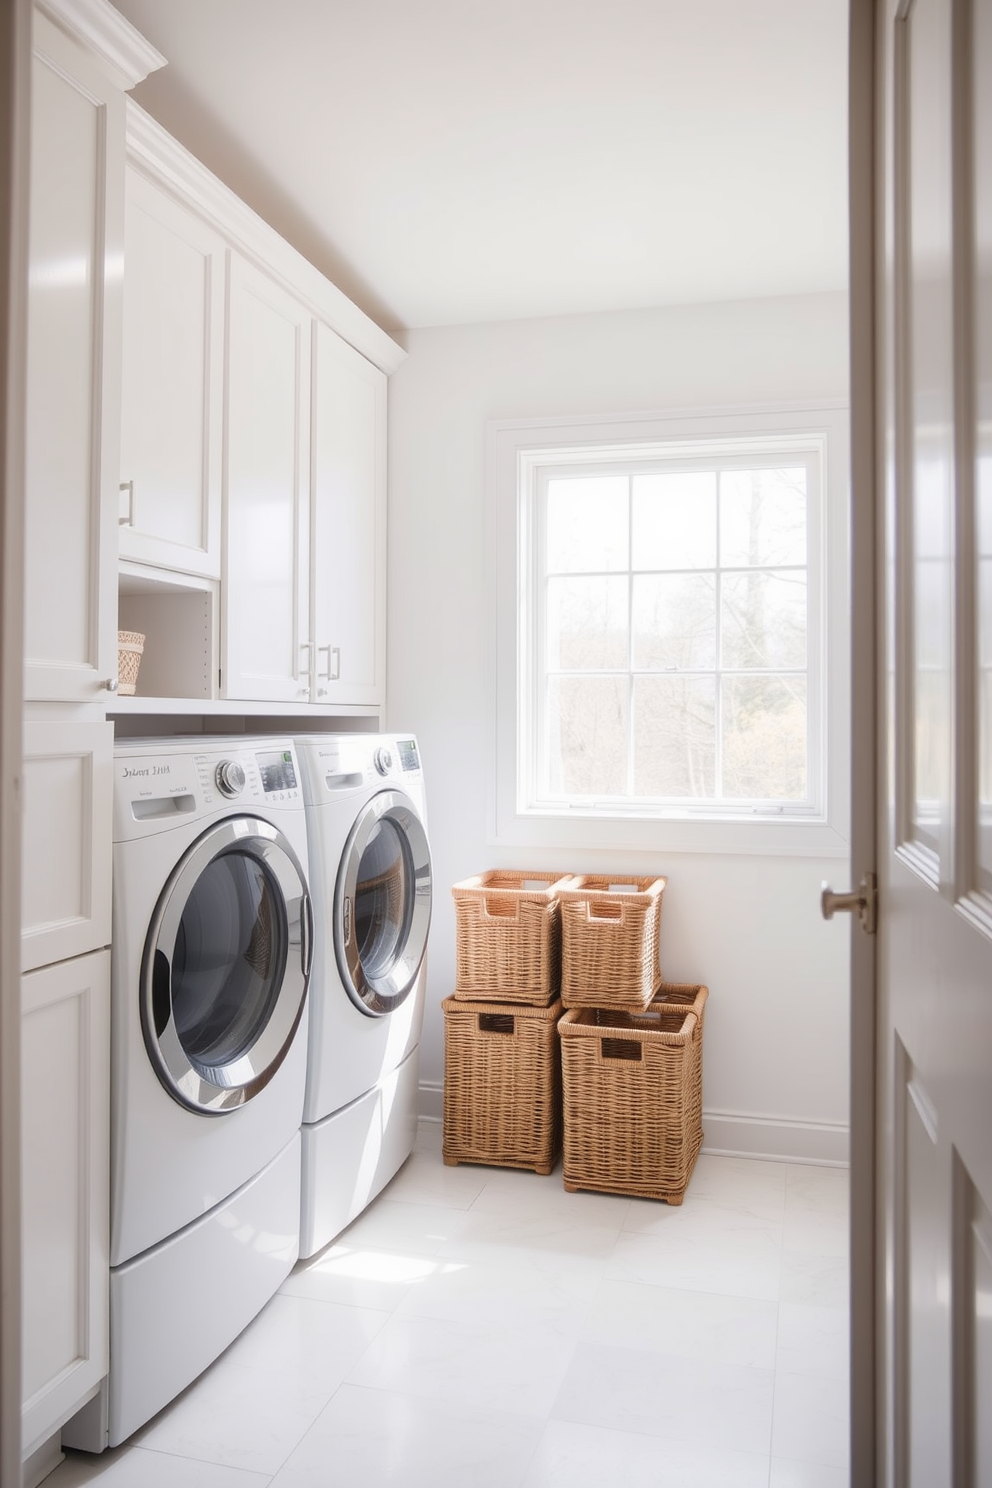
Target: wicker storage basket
(610, 941)
(632, 1086)
(130, 646)
(502, 1085)
(508, 937)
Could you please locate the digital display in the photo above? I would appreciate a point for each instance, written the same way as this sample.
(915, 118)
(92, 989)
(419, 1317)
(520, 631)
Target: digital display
(407, 750)
(278, 770)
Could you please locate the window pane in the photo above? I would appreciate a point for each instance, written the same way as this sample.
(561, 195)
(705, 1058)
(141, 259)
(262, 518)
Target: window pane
(587, 520)
(587, 624)
(675, 520)
(764, 738)
(587, 736)
(763, 517)
(764, 619)
(674, 621)
(675, 737)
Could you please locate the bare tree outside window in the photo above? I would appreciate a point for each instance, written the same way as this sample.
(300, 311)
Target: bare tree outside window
(675, 625)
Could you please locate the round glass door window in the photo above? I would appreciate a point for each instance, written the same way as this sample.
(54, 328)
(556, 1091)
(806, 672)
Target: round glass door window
(226, 966)
(382, 904)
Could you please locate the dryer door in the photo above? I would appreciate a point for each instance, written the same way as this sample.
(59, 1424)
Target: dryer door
(226, 965)
(382, 904)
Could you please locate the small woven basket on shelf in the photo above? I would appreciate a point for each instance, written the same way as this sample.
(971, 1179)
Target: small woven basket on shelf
(632, 1095)
(502, 1085)
(610, 941)
(508, 936)
(130, 647)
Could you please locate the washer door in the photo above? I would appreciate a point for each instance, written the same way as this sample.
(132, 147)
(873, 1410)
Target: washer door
(382, 904)
(226, 965)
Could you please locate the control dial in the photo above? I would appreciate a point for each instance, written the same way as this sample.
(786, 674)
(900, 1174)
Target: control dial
(383, 760)
(230, 778)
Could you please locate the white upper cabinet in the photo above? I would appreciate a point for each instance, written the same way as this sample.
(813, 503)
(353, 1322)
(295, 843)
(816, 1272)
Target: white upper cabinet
(172, 396)
(265, 640)
(303, 589)
(347, 559)
(281, 388)
(73, 377)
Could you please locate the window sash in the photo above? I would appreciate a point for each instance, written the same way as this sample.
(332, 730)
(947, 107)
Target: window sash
(537, 470)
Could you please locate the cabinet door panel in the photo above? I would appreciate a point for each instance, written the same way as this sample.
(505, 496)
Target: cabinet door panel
(172, 387)
(67, 848)
(73, 375)
(265, 591)
(65, 1142)
(348, 557)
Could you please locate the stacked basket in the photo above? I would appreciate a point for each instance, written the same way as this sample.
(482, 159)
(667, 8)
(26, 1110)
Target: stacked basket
(631, 1045)
(502, 1065)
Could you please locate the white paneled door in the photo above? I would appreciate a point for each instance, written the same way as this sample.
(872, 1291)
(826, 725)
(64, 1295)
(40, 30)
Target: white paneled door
(935, 825)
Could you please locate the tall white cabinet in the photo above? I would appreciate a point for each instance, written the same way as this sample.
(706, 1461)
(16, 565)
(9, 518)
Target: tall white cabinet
(206, 465)
(83, 60)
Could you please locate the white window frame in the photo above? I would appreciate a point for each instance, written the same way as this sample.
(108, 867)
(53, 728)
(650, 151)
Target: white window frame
(520, 452)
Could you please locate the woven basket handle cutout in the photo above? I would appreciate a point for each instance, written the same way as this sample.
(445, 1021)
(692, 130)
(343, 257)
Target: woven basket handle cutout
(616, 1048)
(496, 1022)
(505, 910)
(605, 911)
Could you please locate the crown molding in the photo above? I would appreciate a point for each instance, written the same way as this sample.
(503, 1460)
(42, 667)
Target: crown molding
(168, 164)
(105, 32)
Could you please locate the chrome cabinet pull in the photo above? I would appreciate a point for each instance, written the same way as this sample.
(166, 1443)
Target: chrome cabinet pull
(128, 520)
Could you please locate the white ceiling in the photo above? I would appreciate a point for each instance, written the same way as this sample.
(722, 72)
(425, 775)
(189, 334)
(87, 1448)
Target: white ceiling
(457, 161)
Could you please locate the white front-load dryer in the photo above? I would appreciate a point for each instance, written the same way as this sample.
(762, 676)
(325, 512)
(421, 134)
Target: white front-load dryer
(370, 873)
(210, 965)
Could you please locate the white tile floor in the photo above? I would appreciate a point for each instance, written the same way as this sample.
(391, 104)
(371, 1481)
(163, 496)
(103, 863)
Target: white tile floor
(481, 1328)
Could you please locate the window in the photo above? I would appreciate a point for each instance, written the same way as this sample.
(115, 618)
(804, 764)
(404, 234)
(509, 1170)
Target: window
(673, 657)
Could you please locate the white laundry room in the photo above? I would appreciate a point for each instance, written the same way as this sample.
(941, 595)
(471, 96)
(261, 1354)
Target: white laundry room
(495, 755)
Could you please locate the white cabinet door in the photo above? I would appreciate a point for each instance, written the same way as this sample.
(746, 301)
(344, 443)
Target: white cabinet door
(265, 640)
(172, 396)
(347, 564)
(65, 1144)
(67, 840)
(73, 378)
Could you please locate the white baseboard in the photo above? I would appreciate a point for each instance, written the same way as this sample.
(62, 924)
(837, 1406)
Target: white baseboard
(776, 1138)
(431, 1099)
(733, 1133)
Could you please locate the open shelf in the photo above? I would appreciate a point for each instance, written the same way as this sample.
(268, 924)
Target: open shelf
(177, 615)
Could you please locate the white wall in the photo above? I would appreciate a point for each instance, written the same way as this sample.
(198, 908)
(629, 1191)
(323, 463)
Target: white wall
(775, 1050)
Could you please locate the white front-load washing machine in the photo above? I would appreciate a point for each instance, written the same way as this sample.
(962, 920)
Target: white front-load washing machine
(210, 964)
(370, 873)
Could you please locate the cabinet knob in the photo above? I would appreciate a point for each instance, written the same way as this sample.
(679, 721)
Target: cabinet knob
(111, 684)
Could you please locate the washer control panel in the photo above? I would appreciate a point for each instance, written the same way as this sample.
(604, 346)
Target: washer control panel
(154, 786)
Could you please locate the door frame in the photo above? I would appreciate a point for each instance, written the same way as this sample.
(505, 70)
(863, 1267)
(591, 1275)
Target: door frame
(867, 1219)
(15, 102)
